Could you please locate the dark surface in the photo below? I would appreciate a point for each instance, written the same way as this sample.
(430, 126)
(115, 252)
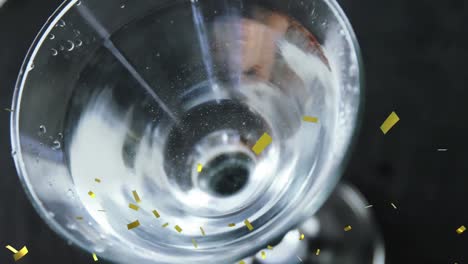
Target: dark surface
(414, 53)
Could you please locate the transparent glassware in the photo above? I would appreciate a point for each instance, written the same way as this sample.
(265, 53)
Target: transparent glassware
(168, 98)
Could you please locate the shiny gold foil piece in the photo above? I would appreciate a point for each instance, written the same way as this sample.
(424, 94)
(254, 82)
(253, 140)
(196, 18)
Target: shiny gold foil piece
(262, 143)
(202, 231)
(97, 180)
(194, 242)
(231, 225)
(133, 206)
(133, 225)
(136, 197)
(199, 167)
(461, 229)
(391, 121)
(20, 254)
(263, 254)
(12, 249)
(269, 247)
(177, 228)
(241, 262)
(317, 252)
(301, 237)
(95, 258)
(248, 225)
(165, 225)
(156, 213)
(310, 119)
(348, 228)
(90, 193)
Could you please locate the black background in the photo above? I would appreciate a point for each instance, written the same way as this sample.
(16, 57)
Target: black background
(415, 54)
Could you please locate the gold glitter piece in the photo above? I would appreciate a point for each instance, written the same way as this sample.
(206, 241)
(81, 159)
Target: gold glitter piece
(199, 167)
(269, 247)
(301, 237)
(202, 231)
(195, 245)
(310, 119)
(241, 262)
(394, 206)
(348, 228)
(461, 229)
(79, 218)
(391, 120)
(97, 180)
(133, 206)
(231, 225)
(95, 258)
(156, 213)
(317, 252)
(101, 210)
(165, 225)
(133, 225)
(12, 249)
(20, 254)
(90, 193)
(176, 227)
(248, 225)
(137, 198)
(263, 255)
(262, 143)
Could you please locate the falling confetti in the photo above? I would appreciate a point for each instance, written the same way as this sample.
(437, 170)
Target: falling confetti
(156, 214)
(394, 206)
(202, 231)
(177, 228)
(136, 196)
(310, 119)
(97, 180)
(263, 255)
(248, 225)
(270, 247)
(262, 143)
(90, 193)
(317, 252)
(95, 258)
(348, 228)
(301, 237)
(391, 120)
(369, 206)
(194, 242)
(299, 258)
(133, 225)
(231, 225)
(133, 206)
(199, 167)
(17, 255)
(442, 150)
(461, 229)
(165, 225)
(241, 262)
(79, 218)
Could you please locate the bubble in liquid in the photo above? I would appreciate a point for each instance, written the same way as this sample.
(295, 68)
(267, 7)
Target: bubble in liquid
(56, 145)
(42, 129)
(70, 45)
(78, 3)
(62, 48)
(54, 52)
(77, 32)
(122, 6)
(61, 23)
(78, 43)
(71, 226)
(60, 135)
(13, 152)
(31, 67)
(51, 36)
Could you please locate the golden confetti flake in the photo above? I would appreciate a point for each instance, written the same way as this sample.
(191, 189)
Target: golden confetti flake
(95, 258)
(199, 167)
(269, 247)
(231, 225)
(133, 206)
(165, 225)
(317, 252)
(136, 196)
(90, 193)
(194, 242)
(348, 228)
(301, 237)
(394, 206)
(156, 213)
(202, 231)
(241, 262)
(263, 254)
(461, 229)
(12, 249)
(310, 119)
(391, 121)
(133, 225)
(79, 218)
(262, 143)
(97, 180)
(20, 254)
(248, 225)
(177, 228)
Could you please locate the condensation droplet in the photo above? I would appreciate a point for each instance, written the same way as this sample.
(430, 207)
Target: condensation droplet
(78, 43)
(54, 52)
(70, 45)
(56, 145)
(42, 129)
(51, 36)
